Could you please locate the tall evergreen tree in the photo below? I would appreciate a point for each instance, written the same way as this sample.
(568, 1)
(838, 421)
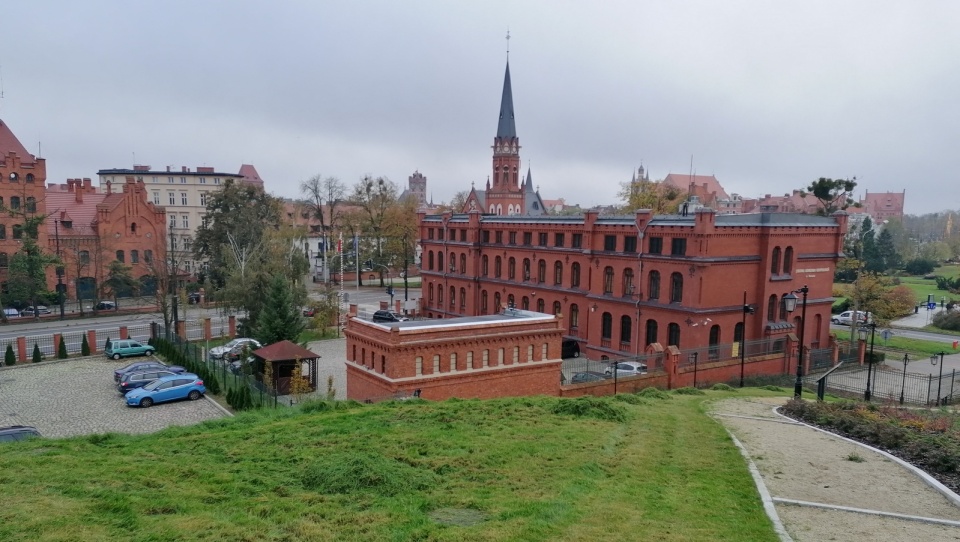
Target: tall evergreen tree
(280, 317)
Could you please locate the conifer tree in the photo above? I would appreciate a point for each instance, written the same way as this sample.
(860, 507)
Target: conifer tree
(37, 356)
(85, 346)
(9, 358)
(62, 349)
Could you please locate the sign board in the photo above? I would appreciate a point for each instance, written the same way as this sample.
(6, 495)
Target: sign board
(931, 305)
(886, 334)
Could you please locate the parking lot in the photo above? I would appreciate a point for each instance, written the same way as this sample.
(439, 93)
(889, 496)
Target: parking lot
(79, 397)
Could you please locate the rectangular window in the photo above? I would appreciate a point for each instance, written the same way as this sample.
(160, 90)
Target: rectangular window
(203, 180)
(463, 235)
(558, 240)
(453, 363)
(185, 221)
(418, 366)
(169, 179)
(542, 239)
(183, 198)
(430, 233)
(656, 245)
(470, 360)
(156, 197)
(578, 240)
(678, 246)
(630, 244)
(183, 180)
(499, 237)
(610, 243)
(154, 179)
(486, 358)
(486, 236)
(436, 363)
(173, 243)
(216, 180)
(513, 238)
(172, 197)
(527, 238)
(203, 199)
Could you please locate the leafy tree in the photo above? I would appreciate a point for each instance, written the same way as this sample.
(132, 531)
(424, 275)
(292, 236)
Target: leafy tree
(457, 203)
(9, 358)
(27, 279)
(37, 356)
(920, 266)
(119, 281)
(657, 196)
(299, 386)
(280, 319)
(833, 194)
(62, 349)
(85, 346)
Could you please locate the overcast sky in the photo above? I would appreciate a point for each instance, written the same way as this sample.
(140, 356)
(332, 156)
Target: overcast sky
(767, 96)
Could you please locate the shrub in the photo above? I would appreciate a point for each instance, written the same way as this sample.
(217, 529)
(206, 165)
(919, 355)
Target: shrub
(37, 356)
(630, 398)
(591, 407)
(688, 391)
(85, 346)
(9, 358)
(722, 387)
(919, 266)
(947, 320)
(62, 349)
(653, 393)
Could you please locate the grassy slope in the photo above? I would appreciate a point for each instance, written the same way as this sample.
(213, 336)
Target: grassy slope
(668, 472)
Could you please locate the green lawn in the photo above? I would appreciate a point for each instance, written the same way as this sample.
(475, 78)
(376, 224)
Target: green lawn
(922, 286)
(625, 468)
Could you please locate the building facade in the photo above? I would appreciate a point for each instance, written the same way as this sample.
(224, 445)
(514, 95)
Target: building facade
(623, 283)
(22, 178)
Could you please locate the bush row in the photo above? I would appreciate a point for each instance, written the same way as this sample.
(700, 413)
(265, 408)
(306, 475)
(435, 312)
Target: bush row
(174, 354)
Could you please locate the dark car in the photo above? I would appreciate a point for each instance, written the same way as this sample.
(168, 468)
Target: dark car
(193, 298)
(388, 316)
(310, 312)
(136, 379)
(30, 311)
(587, 376)
(18, 432)
(105, 306)
(146, 366)
(569, 348)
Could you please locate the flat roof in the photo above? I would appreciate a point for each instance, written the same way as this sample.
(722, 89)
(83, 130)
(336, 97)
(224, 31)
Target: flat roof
(508, 316)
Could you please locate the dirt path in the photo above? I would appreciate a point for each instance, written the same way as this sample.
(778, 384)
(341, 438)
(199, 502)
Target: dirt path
(798, 463)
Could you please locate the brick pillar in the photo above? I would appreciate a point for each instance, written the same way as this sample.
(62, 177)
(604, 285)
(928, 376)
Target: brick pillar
(207, 333)
(670, 360)
(384, 305)
(92, 340)
(353, 309)
(56, 344)
(123, 332)
(182, 329)
(398, 306)
(861, 351)
(21, 349)
(232, 330)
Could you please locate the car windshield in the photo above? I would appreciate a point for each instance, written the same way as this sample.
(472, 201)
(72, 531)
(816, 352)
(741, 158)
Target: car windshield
(153, 385)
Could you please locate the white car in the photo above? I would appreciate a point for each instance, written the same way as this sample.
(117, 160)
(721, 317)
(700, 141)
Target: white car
(846, 318)
(10, 312)
(233, 349)
(627, 368)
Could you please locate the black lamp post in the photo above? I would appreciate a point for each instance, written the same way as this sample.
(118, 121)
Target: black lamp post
(933, 360)
(60, 269)
(903, 383)
(873, 333)
(747, 309)
(695, 356)
(790, 303)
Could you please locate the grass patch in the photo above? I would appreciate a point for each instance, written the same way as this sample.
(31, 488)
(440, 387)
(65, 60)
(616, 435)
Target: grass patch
(855, 457)
(901, 344)
(532, 469)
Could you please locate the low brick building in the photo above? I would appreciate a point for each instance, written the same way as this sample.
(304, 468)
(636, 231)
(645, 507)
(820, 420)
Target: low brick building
(516, 353)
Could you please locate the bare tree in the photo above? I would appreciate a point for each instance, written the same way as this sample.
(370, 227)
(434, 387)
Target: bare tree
(323, 197)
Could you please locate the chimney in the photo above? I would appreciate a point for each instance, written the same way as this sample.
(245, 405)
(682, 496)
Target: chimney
(168, 169)
(69, 185)
(78, 191)
(87, 184)
(184, 170)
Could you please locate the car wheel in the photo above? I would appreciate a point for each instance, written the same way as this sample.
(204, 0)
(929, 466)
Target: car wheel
(115, 356)
(835, 321)
(194, 395)
(148, 353)
(146, 402)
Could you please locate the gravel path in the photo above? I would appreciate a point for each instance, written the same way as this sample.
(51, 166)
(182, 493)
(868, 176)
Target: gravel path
(802, 464)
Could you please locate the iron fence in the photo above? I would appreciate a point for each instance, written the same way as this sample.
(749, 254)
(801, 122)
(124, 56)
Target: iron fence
(44, 342)
(888, 384)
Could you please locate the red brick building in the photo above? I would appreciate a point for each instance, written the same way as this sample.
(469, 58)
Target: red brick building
(622, 283)
(22, 178)
(512, 354)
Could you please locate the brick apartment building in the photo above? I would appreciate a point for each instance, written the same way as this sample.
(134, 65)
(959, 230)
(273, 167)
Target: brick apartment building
(511, 354)
(22, 178)
(622, 283)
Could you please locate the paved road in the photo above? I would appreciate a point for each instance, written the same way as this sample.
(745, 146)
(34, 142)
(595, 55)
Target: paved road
(78, 397)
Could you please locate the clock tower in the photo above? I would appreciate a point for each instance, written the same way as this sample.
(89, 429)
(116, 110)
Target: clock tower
(504, 195)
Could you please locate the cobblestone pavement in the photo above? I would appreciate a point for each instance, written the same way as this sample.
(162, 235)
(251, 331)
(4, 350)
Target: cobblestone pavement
(333, 356)
(79, 397)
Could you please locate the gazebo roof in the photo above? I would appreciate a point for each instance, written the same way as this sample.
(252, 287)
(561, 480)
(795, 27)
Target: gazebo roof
(284, 351)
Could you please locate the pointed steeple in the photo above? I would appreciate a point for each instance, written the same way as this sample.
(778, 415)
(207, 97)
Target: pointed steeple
(528, 183)
(506, 126)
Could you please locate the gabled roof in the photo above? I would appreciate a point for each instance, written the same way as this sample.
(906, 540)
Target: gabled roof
(506, 126)
(283, 351)
(83, 214)
(705, 185)
(475, 195)
(250, 175)
(531, 199)
(9, 142)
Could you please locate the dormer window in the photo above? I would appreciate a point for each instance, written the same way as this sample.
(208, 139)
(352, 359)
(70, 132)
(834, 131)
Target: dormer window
(66, 223)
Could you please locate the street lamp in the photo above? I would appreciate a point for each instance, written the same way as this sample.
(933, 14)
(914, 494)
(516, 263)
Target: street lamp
(863, 335)
(747, 309)
(903, 383)
(60, 269)
(695, 356)
(933, 360)
(790, 303)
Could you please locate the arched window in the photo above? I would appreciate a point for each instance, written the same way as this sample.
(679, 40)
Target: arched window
(512, 268)
(484, 265)
(430, 260)
(84, 257)
(653, 288)
(627, 282)
(606, 326)
(676, 288)
(526, 269)
(463, 298)
(30, 177)
(31, 204)
(483, 302)
(541, 305)
(120, 256)
(738, 333)
(714, 352)
(775, 262)
(148, 256)
(783, 309)
(463, 264)
(626, 328)
(511, 302)
(453, 297)
(556, 308)
(608, 280)
(575, 275)
(18, 231)
(430, 293)
(133, 228)
(453, 261)
(15, 203)
(557, 273)
(497, 306)
(788, 261)
(673, 335)
(525, 303)
(440, 297)
(440, 261)
(542, 271)
(4, 262)
(497, 267)
(651, 331)
(772, 309)
(134, 256)
(574, 316)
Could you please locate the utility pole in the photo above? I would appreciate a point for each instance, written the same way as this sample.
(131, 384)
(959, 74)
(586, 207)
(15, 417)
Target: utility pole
(406, 292)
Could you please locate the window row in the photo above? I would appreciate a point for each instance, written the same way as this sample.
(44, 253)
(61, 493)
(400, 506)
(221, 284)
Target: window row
(17, 231)
(15, 177)
(184, 198)
(183, 180)
(30, 204)
(121, 256)
(775, 265)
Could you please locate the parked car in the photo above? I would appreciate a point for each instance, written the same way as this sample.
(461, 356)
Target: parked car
(167, 388)
(105, 306)
(846, 318)
(627, 368)
(233, 349)
(11, 312)
(29, 311)
(388, 316)
(569, 348)
(138, 379)
(236, 366)
(588, 376)
(193, 298)
(124, 348)
(146, 366)
(309, 312)
(18, 432)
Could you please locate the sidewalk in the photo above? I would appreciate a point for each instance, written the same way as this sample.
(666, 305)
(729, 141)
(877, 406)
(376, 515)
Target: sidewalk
(922, 318)
(817, 486)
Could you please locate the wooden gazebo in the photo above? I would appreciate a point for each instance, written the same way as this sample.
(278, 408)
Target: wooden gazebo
(283, 358)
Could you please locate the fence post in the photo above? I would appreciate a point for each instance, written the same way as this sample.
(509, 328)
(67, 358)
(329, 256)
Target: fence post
(207, 329)
(57, 337)
(124, 333)
(92, 340)
(181, 329)
(21, 349)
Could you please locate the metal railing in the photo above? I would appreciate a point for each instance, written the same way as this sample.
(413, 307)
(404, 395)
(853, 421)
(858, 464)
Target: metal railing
(887, 384)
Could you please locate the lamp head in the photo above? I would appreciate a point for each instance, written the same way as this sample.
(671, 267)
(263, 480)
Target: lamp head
(790, 302)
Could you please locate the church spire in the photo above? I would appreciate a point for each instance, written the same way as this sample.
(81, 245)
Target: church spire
(506, 127)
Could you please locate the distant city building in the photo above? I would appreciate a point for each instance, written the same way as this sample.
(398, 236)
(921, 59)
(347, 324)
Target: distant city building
(883, 205)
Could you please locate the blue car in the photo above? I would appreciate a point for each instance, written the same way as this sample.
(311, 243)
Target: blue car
(167, 388)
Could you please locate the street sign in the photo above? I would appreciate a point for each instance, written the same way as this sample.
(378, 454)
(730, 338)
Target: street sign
(886, 334)
(932, 305)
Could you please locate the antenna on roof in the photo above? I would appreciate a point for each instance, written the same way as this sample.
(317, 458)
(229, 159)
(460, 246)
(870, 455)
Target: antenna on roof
(508, 44)
(1, 83)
